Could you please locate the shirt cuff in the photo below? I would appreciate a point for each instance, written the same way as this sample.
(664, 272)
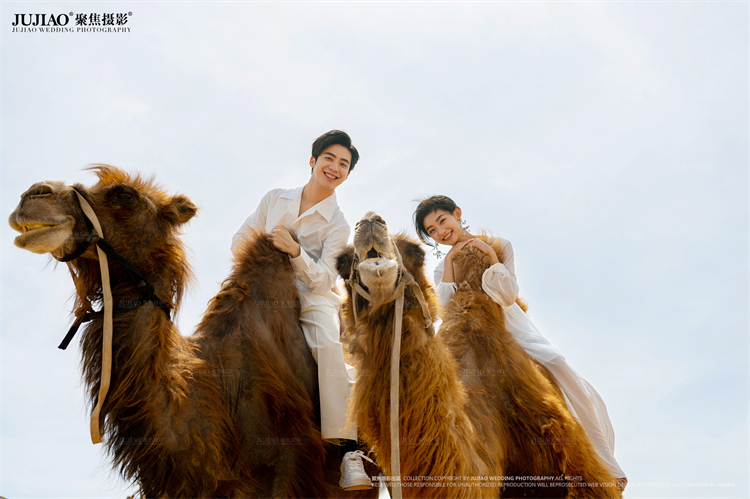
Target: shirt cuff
(301, 263)
(498, 268)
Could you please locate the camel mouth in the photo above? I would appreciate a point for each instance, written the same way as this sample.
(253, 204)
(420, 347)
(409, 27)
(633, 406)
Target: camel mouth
(376, 257)
(379, 274)
(23, 229)
(43, 237)
(378, 267)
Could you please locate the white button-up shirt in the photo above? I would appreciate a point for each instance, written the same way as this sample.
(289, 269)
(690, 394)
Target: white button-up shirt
(322, 232)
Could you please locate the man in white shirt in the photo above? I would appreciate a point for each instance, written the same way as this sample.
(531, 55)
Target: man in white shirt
(323, 232)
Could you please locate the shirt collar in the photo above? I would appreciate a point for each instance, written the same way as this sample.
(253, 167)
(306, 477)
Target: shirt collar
(326, 207)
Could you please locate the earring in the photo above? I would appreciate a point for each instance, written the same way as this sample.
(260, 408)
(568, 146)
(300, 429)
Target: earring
(464, 227)
(436, 251)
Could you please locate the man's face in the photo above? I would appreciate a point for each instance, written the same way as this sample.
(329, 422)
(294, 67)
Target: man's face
(332, 166)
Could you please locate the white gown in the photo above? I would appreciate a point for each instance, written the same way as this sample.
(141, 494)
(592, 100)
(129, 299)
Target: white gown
(584, 403)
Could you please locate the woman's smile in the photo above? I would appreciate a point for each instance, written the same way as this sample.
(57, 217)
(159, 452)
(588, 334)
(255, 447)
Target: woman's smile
(447, 236)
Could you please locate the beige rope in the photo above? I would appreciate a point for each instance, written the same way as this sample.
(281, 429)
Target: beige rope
(395, 364)
(96, 437)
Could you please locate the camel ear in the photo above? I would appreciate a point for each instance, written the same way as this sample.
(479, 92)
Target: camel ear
(178, 210)
(417, 253)
(344, 262)
(412, 253)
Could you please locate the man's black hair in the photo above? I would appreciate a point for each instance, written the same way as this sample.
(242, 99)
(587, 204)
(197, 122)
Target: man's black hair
(335, 137)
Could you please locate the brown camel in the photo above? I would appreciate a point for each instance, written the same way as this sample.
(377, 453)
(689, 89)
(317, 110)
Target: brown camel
(230, 411)
(474, 407)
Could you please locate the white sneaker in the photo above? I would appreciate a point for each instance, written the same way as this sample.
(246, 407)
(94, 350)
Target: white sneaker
(353, 476)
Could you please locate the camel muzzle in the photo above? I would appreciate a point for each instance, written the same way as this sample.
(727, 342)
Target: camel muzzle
(44, 227)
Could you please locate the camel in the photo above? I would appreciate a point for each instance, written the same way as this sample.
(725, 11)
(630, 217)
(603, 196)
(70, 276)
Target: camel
(231, 411)
(478, 417)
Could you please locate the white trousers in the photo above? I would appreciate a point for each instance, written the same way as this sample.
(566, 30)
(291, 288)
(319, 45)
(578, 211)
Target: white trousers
(320, 323)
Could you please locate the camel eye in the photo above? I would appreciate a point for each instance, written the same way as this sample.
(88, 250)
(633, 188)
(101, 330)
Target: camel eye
(122, 195)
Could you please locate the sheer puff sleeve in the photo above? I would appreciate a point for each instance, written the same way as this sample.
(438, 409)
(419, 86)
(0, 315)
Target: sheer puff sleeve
(444, 290)
(499, 281)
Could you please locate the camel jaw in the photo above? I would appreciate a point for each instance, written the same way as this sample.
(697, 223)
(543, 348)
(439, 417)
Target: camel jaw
(42, 236)
(379, 275)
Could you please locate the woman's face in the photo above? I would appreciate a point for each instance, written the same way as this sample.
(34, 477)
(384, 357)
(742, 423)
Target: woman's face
(443, 226)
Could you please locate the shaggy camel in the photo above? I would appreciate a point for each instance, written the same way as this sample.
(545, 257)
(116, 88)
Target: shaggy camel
(473, 404)
(227, 412)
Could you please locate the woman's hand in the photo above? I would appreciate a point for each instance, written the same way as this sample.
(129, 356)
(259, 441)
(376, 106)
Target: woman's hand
(484, 248)
(282, 240)
(455, 249)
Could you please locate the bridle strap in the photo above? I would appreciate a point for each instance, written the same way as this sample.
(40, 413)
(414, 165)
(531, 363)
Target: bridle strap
(395, 365)
(107, 331)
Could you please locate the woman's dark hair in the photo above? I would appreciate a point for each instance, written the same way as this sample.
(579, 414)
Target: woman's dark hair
(427, 206)
(335, 137)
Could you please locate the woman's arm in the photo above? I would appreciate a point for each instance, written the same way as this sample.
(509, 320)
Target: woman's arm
(443, 289)
(448, 270)
(499, 281)
(444, 285)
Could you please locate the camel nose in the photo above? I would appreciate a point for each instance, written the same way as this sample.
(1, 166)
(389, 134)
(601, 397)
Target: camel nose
(371, 218)
(38, 190)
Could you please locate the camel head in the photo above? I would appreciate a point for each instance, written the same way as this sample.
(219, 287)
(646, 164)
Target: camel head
(138, 219)
(378, 262)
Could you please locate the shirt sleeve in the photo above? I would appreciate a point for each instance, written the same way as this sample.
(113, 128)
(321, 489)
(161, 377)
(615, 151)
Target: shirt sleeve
(444, 290)
(320, 276)
(499, 281)
(257, 220)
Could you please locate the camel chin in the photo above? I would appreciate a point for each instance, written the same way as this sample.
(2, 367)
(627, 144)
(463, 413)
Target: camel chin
(379, 275)
(41, 237)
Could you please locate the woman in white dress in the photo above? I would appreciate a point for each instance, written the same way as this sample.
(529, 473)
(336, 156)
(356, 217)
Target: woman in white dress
(438, 219)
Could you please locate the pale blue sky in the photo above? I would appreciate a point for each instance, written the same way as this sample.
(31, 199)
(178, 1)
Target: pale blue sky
(608, 141)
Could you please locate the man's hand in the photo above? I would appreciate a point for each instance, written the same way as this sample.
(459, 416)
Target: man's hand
(282, 240)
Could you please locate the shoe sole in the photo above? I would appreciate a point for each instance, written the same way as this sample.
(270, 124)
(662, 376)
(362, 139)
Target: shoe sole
(357, 486)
